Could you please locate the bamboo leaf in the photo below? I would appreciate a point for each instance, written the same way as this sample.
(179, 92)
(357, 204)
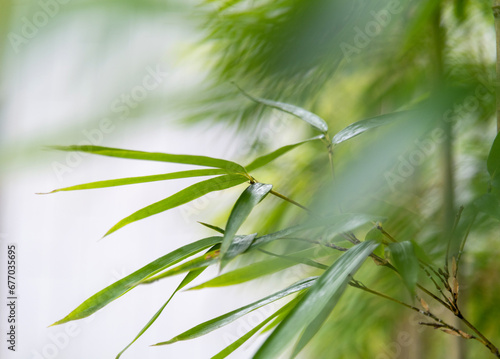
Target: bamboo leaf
(227, 318)
(309, 117)
(239, 245)
(156, 156)
(186, 195)
(117, 289)
(406, 262)
(187, 279)
(235, 345)
(357, 128)
(242, 208)
(211, 226)
(488, 204)
(320, 299)
(264, 160)
(142, 179)
(493, 162)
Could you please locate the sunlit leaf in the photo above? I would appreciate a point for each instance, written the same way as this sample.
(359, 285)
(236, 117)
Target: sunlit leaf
(319, 301)
(406, 262)
(242, 208)
(357, 128)
(142, 179)
(155, 156)
(117, 289)
(264, 160)
(309, 117)
(227, 318)
(186, 195)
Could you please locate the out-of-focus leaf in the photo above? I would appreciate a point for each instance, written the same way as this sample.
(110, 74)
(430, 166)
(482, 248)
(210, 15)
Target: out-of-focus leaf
(359, 127)
(186, 195)
(117, 289)
(156, 156)
(187, 279)
(242, 208)
(309, 117)
(317, 303)
(488, 204)
(142, 179)
(227, 318)
(421, 254)
(406, 262)
(264, 160)
(235, 345)
(376, 235)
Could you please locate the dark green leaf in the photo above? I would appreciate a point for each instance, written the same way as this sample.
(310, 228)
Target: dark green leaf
(264, 160)
(493, 162)
(142, 179)
(309, 117)
(320, 299)
(227, 318)
(186, 195)
(242, 208)
(156, 156)
(406, 262)
(359, 127)
(215, 228)
(117, 289)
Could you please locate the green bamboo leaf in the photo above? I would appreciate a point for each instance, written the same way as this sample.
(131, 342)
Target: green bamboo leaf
(264, 160)
(239, 245)
(211, 226)
(359, 127)
(493, 162)
(156, 156)
(257, 270)
(406, 262)
(488, 204)
(309, 117)
(142, 179)
(235, 345)
(317, 303)
(242, 208)
(227, 318)
(117, 289)
(186, 195)
(187, 279)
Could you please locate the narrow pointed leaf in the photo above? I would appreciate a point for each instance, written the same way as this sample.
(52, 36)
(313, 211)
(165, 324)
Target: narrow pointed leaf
(309, 117)
(187, 279)
(156, 156)
(117, 289)
(493, 162)
(227, 318)
(186, 195)
(320, 299)
(211, 226)
(264, 160)
(357, 128)
(142, 179)
(239, 245)
(242, 208)
(406, 262)
(235, 345)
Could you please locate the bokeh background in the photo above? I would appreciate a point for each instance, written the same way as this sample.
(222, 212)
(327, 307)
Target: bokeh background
(156, 76)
